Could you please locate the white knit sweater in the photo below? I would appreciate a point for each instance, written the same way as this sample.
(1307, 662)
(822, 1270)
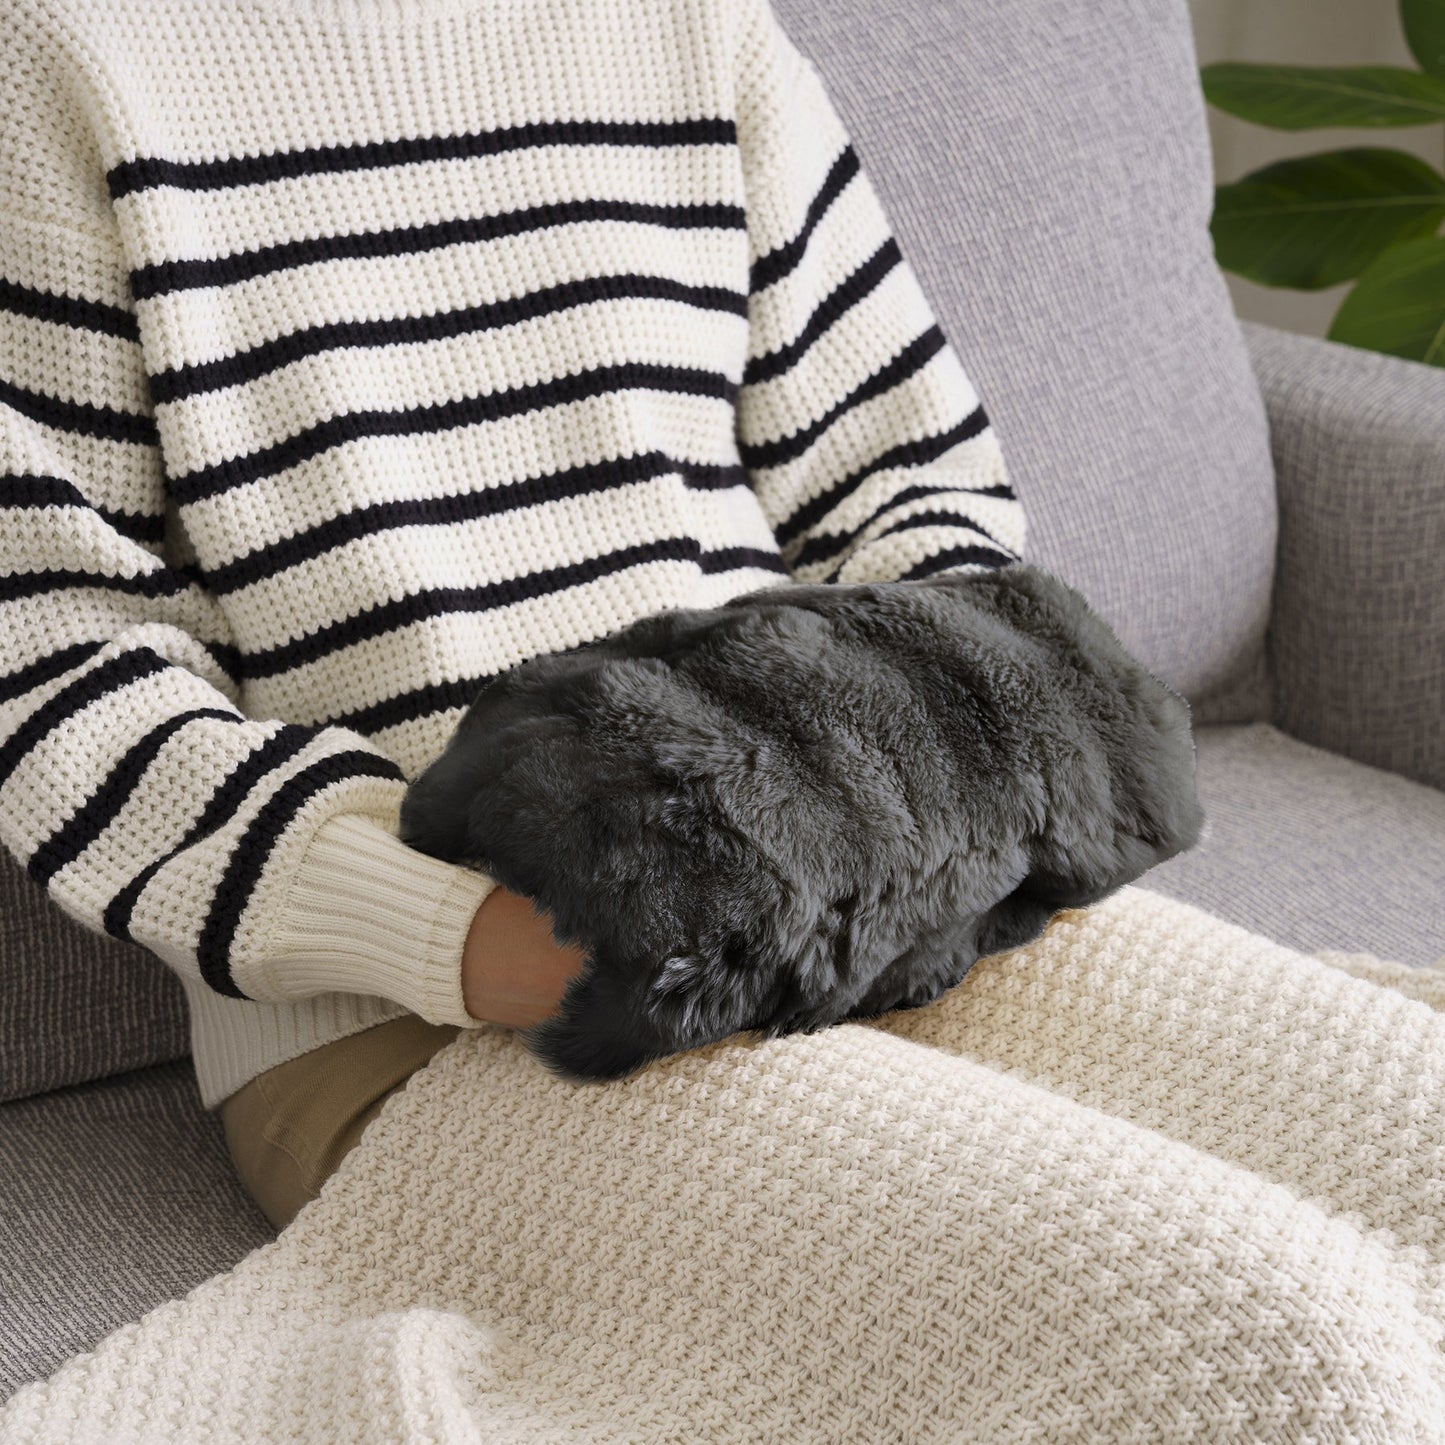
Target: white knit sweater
(354, 351)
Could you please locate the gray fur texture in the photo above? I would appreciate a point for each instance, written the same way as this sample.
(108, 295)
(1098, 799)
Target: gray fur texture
(812, 803)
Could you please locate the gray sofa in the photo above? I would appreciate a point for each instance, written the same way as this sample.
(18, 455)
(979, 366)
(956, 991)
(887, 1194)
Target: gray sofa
(1260, 516)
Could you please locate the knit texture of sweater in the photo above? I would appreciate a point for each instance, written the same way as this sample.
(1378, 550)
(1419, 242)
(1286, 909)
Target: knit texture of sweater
(355, 351)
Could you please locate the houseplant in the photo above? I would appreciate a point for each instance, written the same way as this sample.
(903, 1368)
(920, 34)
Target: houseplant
(1370, 214)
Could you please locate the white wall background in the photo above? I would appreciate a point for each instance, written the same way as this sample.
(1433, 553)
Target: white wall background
(1300, 32)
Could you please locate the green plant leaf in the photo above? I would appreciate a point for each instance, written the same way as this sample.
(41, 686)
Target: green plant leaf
(1301, 97)
(1425, 32)
(1318, 220)
(1398, 305)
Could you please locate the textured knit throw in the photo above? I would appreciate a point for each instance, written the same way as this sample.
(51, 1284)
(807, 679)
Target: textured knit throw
(1150, 1177)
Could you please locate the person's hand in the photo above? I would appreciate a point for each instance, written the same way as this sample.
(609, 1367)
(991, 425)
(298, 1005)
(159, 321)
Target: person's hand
(513, 972)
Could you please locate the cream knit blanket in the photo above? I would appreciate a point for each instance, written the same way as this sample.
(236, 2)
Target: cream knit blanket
(1152, 1177)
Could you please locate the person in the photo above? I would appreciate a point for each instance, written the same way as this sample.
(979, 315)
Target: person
(351, 353)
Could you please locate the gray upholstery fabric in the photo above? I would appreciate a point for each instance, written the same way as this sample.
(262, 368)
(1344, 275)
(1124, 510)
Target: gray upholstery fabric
(1357, 638)
(1046, 167)
(75, 1005)
(114, 1197)
(1313, 850)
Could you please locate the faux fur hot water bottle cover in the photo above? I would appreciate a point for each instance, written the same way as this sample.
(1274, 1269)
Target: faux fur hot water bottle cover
(812, 803)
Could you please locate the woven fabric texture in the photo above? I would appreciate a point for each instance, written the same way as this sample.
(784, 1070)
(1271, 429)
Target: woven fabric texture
(1107, 1188)
(75, 1005)
(1312, 849)
(1046, 167)
(1357, 638)
(114, 1198)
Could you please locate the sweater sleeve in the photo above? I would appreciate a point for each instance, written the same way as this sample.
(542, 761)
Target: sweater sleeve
(865, 443)
(257, 856)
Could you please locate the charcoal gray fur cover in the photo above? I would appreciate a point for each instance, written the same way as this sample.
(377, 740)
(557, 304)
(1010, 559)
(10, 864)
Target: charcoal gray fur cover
(811, 803)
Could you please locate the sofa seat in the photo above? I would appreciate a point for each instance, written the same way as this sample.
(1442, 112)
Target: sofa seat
(119, 1195)
(1313, 850)
(115, 1196)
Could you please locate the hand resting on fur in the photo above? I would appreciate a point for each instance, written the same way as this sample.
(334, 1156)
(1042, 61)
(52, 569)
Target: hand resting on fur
(812, 803)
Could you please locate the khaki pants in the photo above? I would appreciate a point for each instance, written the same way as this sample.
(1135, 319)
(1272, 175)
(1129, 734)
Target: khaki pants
(289, 1128)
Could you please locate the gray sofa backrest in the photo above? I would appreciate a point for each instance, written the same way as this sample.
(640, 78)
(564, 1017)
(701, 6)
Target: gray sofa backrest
(76, 1005)
(1046, 167)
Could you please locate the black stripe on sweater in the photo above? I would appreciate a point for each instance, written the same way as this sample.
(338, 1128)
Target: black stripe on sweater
(165, 276)
(957, 520)
(434, 698)
(181, 382)
(733, 559)
(386, 617)
(99, 810)
(165, 582)
(405, 707)
(943, 517)
(905, 454)
(782, 259)
(957, 557)
(842, 299)
(80, 417)
(445, 416)
(266, 829)
(590, 479)
(45, 669)
(826, 544)
(278, 749)
(43, 491)
(54, 664)
(116, 672)
(146, 172)
(74, 311)
(908, 363)
(226, 657)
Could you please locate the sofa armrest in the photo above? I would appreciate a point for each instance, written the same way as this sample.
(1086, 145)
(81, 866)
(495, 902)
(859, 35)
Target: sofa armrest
(1356, 639)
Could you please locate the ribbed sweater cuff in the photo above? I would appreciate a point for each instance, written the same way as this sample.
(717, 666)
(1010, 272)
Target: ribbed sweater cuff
(367, 914)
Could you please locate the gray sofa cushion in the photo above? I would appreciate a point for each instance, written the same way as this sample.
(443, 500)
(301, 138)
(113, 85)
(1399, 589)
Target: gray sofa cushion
(114, 1197)
(1312, 849)
(76, 1005)
(1357, 638)
(1046, 167)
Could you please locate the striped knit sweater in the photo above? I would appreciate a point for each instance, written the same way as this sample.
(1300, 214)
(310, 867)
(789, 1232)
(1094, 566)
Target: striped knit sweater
(354, 351)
